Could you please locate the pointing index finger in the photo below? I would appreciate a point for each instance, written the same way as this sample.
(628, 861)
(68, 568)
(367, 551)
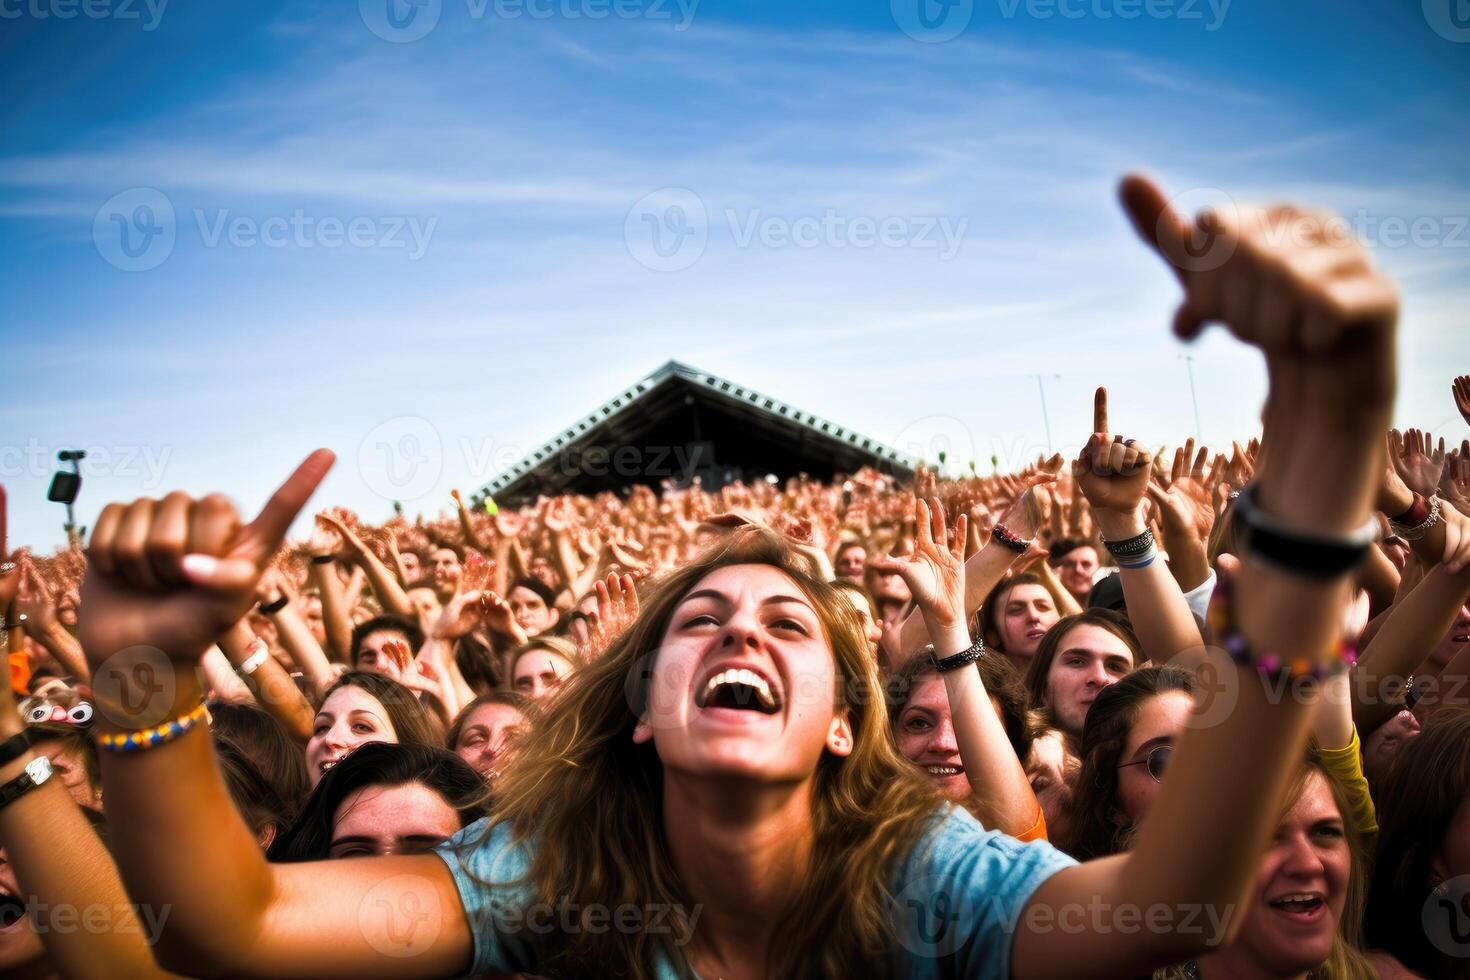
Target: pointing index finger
(1100, 411)
(269, 528)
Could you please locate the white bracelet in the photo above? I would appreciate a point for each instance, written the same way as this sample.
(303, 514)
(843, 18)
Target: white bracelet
(253, 662)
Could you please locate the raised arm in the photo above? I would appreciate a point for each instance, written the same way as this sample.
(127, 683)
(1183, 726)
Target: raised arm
(1114, 473)
(384, 582)
(935, 574)
(1325, 321)
(164, 580)
(35, 604)
(279, 602)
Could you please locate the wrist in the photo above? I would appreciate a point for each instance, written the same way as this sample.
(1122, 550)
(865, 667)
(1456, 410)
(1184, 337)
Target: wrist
(949, 640)
(1118, 525)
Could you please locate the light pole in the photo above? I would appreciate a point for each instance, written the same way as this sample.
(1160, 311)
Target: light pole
(1193, 396)
(1045, 418)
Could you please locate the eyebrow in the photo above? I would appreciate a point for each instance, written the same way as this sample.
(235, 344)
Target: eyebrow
(1152, 743)
(721, 597)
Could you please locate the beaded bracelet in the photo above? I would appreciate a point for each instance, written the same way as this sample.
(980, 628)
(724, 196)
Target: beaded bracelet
(147, 738)
(1008, 538)
(1270, 666)
(1130, 547)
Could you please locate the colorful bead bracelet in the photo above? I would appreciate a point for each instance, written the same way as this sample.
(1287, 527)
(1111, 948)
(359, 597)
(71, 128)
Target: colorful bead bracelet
(1270, 666)
(147, 738)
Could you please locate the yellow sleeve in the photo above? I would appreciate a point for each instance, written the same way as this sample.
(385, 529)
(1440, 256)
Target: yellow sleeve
(1346, 766)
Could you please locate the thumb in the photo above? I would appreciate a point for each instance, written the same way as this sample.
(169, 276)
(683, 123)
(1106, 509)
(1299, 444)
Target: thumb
(264, 534)
(219, 574)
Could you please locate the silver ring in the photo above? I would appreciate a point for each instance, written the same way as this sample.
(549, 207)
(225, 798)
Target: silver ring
(6, 567)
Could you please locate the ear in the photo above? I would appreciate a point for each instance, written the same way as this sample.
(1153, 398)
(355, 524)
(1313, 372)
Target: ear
(839, 735)
(643, 731)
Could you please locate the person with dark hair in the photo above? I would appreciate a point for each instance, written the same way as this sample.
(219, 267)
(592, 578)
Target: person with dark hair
(849, 562)
(254, 795)
(385, 799)
(1076, 659)
(533, 604)
(1075, 562)
(364, 707)
(1016, 615)
(1423, 854)
(270, 750)
(370, 638)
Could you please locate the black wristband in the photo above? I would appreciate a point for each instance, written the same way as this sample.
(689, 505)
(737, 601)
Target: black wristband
(962, 659)
(275, 606)
(1312, 555)
(37, 771)
(14, 747)
(1131, 547)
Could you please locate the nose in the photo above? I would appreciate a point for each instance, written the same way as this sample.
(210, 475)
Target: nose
(1302, 859)
(1098, 676)
(742, 633)
(943, 741)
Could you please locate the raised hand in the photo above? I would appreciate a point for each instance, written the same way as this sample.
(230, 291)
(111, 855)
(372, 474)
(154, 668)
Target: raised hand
(174, 574)
(35, 603)
(1461, 388)
(9, 567)
(617, 608)
(1418, 461)
(1288, 281)
(1113, 472)
(459, 616)
(934, 571)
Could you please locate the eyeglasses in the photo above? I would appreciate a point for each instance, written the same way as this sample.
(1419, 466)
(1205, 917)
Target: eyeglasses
(1157, 761)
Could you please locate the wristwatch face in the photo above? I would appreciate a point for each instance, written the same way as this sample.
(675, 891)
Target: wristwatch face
(39, 769)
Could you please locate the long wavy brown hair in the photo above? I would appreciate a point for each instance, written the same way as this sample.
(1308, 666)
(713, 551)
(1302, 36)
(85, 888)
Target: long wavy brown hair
(589, 802)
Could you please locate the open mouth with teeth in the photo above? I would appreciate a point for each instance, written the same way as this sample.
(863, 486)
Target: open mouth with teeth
(12, 910)
(1301, 906)
(327, 764)
(944, 770)
(740, 690)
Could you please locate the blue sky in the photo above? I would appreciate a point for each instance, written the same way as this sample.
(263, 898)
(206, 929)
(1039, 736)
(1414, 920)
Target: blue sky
(449, 240)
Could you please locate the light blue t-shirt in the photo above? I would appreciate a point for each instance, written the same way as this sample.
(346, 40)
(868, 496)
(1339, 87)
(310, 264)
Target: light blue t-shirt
(958, 898)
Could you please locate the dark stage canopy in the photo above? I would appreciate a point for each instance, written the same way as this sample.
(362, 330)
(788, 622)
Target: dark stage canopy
(680, 422)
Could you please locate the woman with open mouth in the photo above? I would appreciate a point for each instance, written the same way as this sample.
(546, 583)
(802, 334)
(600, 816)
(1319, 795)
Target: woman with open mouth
(365, 707)
(718, 794)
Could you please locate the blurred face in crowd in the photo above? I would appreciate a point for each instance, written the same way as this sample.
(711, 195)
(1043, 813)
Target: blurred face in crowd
(20, 947)
(371, 655)
(1052, 772)
(1301, 887)
(1088, 659)
(379, 820)
(1384, 742)
(851, 561)
(413, 568)
(538, 673)
(1075, 570)
(425, 603)
(311, 611)
(542, 570)
(483, 737)
(348, 718)
(718, 704)
(1161, 721)
(1026, 613)
(531, 611)
(446, 571)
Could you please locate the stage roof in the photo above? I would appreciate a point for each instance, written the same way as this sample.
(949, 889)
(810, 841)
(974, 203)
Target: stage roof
(680, 422)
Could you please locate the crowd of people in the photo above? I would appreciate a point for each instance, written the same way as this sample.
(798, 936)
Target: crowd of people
(869, 727)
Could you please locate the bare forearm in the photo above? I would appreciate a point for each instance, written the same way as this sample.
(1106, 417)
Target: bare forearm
(1412, 628)
(67, 651)
(335, 621)
(269, 683)
(296, 637)
(1160, 615)
(385, 585)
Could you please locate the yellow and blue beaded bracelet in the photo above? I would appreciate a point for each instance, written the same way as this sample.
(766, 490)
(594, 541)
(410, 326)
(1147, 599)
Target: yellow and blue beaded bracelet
(147, 738)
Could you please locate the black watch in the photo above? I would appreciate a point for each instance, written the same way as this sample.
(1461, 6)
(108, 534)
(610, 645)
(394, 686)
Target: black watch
(37, 771)
(962, 659)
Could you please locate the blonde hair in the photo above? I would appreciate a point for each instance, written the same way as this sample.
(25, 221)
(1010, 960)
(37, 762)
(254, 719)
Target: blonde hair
(589, 801)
